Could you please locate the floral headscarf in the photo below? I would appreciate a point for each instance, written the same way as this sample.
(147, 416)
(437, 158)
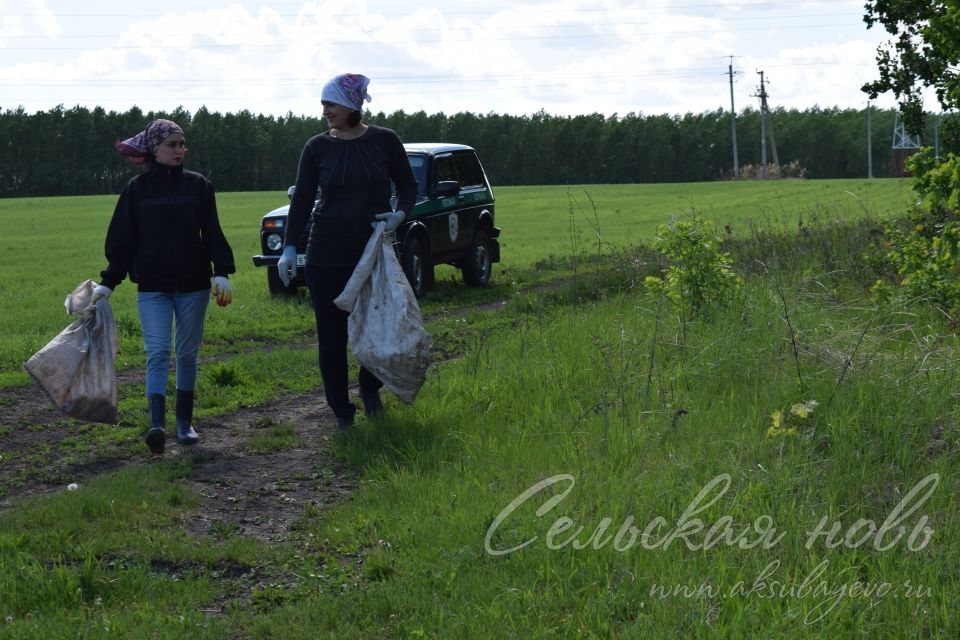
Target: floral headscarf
(143, 145)
(347, 89)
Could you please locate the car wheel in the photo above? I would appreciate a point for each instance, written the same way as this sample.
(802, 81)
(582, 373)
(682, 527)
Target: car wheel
(275, 284)
(417, 267)
(477, 266)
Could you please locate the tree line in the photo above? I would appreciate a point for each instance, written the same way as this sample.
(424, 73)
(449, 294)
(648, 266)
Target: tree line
(70, 151)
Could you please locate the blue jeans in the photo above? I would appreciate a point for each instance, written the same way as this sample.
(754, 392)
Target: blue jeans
(158, 311)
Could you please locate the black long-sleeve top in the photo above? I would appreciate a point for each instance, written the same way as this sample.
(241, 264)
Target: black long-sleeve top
(165, 233)
(354, 181)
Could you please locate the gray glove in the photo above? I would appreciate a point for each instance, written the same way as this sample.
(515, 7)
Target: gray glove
(100, 291)
(287, 265)
(393, 218)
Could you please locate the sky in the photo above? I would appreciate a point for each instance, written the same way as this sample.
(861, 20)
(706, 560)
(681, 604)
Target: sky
(480, 56)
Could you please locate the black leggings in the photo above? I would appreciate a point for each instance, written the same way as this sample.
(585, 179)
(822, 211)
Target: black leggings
(325, 284)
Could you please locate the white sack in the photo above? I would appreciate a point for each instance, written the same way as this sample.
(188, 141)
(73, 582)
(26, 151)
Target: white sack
(77, 368)
(385, 326)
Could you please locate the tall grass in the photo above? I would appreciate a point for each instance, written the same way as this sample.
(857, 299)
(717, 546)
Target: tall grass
(565, 393)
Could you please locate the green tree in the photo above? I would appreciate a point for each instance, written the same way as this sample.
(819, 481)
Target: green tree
(927, 257)
(71, 151)
(925, 52)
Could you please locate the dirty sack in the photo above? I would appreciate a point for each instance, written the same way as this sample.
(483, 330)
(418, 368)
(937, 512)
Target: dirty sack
(385, 327)
(77, 368)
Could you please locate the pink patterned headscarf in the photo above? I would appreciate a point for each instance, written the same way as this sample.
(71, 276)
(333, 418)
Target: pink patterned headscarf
(347, 89)
(143, 145)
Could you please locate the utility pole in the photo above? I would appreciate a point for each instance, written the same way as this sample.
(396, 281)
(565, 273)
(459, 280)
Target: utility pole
(768, 128)
(869, 143)
(763, 128)
(765, 121)
(733, 123)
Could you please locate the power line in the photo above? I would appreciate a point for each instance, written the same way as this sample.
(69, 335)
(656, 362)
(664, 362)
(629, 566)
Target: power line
(586, 25)
(712, 5)
(419, 41)
(437, 79)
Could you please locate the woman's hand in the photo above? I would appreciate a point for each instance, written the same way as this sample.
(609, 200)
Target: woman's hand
(100, 291)
(393, 218)
(287, 265)
(223, 290)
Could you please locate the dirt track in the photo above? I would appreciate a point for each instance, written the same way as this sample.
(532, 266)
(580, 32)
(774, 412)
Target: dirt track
(250, 494)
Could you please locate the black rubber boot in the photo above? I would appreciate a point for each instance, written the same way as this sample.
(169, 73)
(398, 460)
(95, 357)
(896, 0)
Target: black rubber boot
(372, 405)
(185, 433)
(158, 415)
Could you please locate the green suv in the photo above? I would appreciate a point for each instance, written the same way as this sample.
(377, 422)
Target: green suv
(452, 222)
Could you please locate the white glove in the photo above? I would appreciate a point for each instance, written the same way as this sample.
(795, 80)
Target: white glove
(287, 265)
(100, 291)
(393, 218)
(223, 290)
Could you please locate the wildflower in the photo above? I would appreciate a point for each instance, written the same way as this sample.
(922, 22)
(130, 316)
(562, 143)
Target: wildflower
(802, 410)
(786, 425)
(777, 428)
(774, 432)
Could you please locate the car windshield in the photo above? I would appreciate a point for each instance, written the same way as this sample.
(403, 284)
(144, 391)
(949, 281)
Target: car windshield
(419, 166)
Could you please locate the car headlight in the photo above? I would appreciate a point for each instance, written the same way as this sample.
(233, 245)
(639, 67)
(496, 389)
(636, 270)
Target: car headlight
(274, 242)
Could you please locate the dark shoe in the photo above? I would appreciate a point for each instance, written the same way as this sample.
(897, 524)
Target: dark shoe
(372, 405)
(185, 433)
(158, 415)
(344, 424)
(155, 439)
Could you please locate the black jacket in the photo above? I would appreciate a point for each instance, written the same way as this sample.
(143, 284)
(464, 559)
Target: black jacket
(165, 233)
(354, 179)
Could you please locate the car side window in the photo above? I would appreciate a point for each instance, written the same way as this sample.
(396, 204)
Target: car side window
(444, 169)
(469, 171)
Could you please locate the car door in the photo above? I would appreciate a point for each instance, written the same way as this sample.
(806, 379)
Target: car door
(452, 230)
(443, 225)
(474, 196)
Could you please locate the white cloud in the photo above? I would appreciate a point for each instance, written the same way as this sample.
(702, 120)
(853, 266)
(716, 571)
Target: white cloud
(46, 20)
(573, 57)
(19, 20)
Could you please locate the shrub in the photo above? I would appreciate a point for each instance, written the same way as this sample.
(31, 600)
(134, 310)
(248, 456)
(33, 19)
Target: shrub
(792, 170)
(699, 275)
(927, 256)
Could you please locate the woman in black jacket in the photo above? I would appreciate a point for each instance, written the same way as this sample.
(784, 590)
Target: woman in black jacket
(352, 164)
(165, 234)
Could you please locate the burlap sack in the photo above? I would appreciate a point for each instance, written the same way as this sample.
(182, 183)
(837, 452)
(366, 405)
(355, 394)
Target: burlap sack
(385, 326)
(77, 368)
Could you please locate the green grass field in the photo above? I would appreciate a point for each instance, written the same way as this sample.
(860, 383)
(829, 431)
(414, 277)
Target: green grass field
(630, 214)
(56, 243)
(512, 500)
